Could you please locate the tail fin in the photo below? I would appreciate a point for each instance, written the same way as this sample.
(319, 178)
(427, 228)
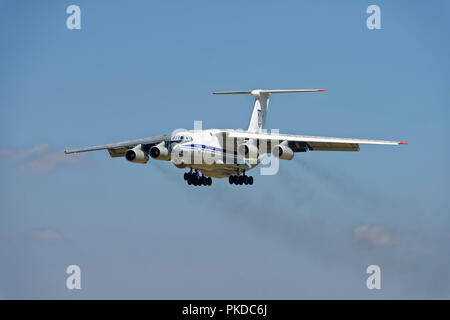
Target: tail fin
(258, 118)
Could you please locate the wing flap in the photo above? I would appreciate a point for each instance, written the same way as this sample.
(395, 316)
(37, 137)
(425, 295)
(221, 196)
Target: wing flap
(330, 146)
(118, 152)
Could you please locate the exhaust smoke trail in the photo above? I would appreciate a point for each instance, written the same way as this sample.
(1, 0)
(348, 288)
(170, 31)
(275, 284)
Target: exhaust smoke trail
(317, 225)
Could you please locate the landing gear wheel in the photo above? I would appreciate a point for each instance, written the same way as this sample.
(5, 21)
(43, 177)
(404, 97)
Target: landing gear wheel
(186, 176)
(240, 180)
(209, 181)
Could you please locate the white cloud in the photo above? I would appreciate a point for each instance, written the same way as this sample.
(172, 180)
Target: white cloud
(372, 234)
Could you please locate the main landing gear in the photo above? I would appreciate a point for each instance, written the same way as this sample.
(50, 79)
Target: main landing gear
(240, 179)
(194, 178)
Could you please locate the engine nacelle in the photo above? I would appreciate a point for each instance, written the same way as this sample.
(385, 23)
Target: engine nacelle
(248, 150)
(160, 152)
(136, 155)
(283, 151)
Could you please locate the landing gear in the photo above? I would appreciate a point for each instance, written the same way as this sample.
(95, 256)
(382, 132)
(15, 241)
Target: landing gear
(240, 180)
(194, 178)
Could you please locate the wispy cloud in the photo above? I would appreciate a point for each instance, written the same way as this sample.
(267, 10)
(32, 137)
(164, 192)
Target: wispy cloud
(19, 154)
(38, 159)
(50, 161)
(48, 235)
(371, 234)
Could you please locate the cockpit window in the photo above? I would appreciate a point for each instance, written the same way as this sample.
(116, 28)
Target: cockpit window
(181, 138)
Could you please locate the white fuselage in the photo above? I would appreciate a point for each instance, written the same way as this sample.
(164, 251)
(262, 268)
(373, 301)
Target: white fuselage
(207, 151)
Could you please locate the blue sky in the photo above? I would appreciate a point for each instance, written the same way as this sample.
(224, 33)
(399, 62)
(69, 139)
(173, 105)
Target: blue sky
(146, 68)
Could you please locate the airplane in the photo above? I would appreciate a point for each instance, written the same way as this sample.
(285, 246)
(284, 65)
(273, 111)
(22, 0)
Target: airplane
(228, 153)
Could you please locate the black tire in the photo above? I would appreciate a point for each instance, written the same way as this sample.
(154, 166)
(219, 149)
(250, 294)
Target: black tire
(230, 179)
(240, 180)
(189, 180)
(245, 180)
(250, 180)
(186, 176)
(209, 181)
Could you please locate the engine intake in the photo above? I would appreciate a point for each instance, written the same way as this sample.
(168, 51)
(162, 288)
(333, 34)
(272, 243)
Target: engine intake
(160, 152)
(248, 150)
(136, 155)
(282, 151)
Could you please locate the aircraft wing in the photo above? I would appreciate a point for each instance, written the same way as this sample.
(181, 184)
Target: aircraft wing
(118, 149)
(300, 143)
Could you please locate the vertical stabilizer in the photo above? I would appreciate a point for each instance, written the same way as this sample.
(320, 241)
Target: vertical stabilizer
(258, 118)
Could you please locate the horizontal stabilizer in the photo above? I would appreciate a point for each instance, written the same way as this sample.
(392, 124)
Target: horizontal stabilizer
(232, 92)
(259, 114)
(253, 92)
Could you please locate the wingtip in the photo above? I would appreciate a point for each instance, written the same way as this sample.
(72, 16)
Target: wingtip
(322, 90)
(401, 142)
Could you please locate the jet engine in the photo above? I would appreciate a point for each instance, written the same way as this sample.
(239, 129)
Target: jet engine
(283, 151)
(248, 150)
(160, 152)
(136, 155)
